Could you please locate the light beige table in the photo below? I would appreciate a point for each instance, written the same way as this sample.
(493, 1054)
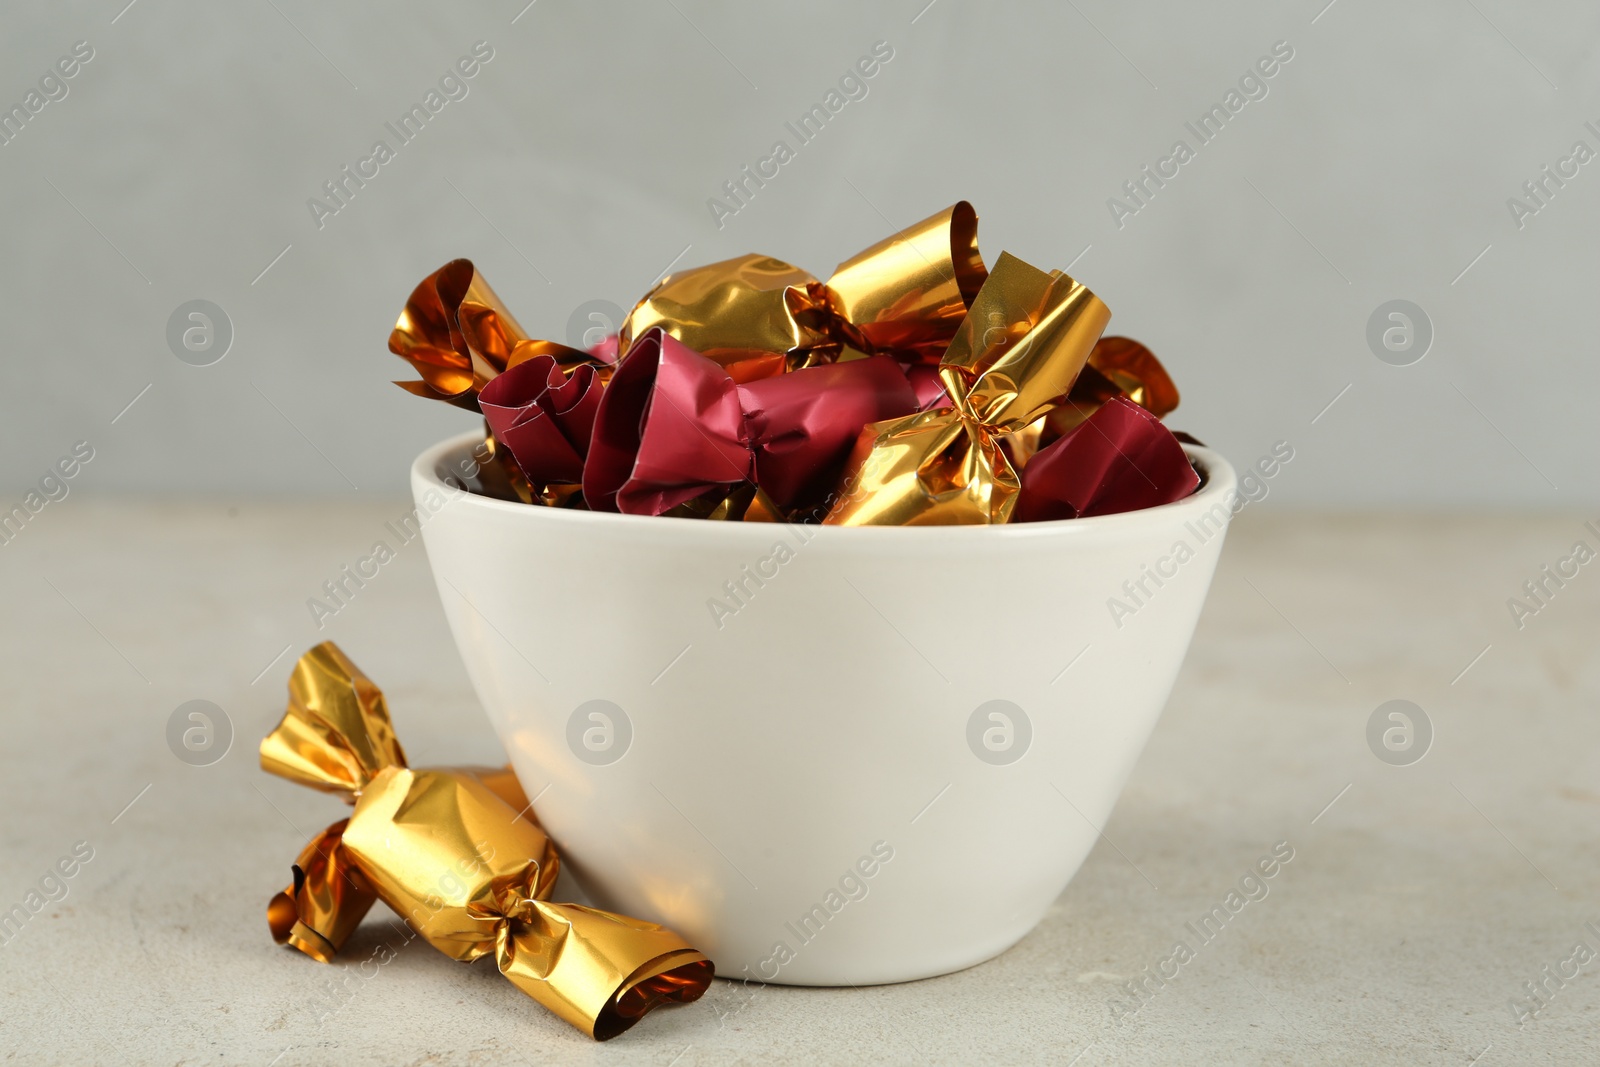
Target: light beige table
(1419, 901)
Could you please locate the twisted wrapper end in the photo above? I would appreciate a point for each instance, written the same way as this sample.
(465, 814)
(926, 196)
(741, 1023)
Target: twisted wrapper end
(1135, 372)
(542, 415)
(934, 468)
(335, 735)
(1022, 345)
(599, 971)
(908, 294)
(446, 851)
(325, 903)
(1023, 342)
(456, 333)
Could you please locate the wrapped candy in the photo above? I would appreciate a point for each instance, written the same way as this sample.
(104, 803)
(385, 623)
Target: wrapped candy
(758, 316)
(458, 336)
(908, 294)
(450, 851)
(456, 333)
(914, 386)
(1119, 459)
(674, 425)
(543, 415)
(1022, 344)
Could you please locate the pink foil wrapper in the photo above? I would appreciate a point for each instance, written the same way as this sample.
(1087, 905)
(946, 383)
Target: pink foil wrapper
(673, 425)
(1119, 459)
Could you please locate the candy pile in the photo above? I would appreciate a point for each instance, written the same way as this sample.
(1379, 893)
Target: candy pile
(914, 386)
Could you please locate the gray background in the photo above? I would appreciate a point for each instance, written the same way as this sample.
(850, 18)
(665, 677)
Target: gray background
(1378, 167)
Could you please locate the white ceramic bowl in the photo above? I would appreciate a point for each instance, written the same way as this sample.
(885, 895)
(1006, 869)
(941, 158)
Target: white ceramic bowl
(811, 783)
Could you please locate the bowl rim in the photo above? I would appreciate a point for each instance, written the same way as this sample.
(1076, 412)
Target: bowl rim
(1218, 480)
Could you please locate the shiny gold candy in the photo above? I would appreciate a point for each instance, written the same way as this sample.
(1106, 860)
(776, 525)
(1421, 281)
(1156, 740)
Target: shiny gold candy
(1022, 343)
(758, 316)
(748, 314)
(909, 293)
(458, 335)
(452, 851)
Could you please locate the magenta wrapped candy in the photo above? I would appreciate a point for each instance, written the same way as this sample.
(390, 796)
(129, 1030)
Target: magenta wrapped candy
(1119, 459)
(544, 418)
(802, 425)
(673, 425)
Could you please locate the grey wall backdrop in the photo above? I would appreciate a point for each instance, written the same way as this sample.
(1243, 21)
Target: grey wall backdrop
(1378, 166)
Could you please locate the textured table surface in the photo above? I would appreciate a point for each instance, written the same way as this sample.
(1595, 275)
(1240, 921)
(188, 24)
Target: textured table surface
(1419, 901)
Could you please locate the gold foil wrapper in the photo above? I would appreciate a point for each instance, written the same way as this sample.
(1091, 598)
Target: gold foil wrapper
(325, 902)
(454, 853)
(458, 335)
(758, 316)
(909, 293)
(1135, 372)
(749, 314)
(1017, 352)
(455, 333)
